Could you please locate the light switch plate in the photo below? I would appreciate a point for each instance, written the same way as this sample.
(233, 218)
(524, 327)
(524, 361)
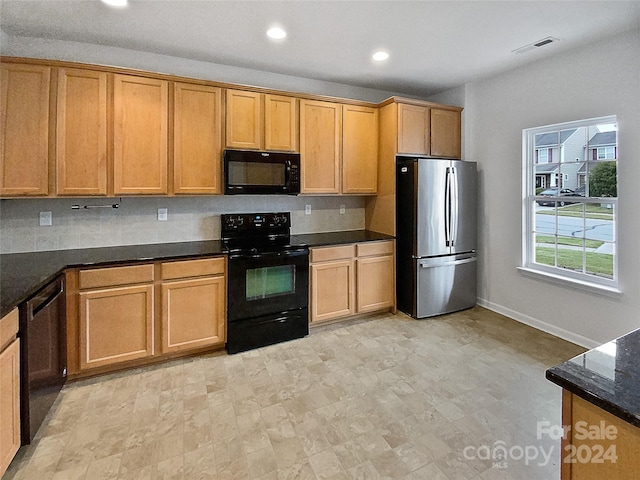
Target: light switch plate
(343, 209)
(46, 219)
(163, 214)
(307, 209)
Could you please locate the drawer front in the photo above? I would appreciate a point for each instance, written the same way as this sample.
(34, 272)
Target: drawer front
(193, 268)
(8, 328)
(324, 254)
(104, 277)
(375, 248)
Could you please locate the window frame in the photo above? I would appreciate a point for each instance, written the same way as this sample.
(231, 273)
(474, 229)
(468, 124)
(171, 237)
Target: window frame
(556, 274)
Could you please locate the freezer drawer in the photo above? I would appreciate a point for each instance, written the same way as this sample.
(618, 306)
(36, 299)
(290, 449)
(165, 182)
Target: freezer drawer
(445, 284)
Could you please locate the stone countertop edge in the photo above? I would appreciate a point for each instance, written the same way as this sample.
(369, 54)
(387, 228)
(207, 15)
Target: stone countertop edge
(619, 396)
(326, 239)
(23, 274)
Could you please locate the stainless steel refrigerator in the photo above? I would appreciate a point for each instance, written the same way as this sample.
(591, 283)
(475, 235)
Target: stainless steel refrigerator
(436, 210)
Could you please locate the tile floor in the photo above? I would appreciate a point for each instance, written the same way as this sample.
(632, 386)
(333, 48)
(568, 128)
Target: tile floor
(376, 398)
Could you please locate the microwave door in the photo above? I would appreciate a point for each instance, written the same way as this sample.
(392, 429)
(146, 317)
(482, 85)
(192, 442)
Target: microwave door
(261, 173)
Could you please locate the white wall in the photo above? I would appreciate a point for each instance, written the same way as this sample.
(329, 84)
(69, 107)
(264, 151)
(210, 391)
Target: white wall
(596, 80)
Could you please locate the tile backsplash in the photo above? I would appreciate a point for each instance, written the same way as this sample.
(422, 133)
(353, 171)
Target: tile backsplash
(136, 220)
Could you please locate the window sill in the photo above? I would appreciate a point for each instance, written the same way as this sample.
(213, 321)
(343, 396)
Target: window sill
(570, 282)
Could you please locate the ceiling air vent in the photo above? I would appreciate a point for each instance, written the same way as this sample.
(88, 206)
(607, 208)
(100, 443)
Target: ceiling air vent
(538, 44)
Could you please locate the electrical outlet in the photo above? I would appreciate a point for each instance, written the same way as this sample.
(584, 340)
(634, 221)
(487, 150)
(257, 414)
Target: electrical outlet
(343, 209)
(307, 209)
(46, 219)
(162, 214)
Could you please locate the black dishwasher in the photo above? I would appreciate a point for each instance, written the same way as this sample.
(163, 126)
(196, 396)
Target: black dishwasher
(43, 355)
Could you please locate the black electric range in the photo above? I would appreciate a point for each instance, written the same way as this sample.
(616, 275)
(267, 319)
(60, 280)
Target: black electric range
(268, 280)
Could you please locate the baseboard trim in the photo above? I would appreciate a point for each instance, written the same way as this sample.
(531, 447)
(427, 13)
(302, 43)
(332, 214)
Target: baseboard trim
(539, 324)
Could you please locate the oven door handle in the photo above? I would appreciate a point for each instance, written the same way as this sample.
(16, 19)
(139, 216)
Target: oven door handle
(298, 252)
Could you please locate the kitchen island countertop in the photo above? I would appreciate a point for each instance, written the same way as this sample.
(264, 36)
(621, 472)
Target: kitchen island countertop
(607, 376)
(23, 274)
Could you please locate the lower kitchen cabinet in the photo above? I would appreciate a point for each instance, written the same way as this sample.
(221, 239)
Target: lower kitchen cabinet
(351, 279)
(131, 315)
(333, 289)
(9, 389)
(193, 304)
(116, 315)
(375, 273)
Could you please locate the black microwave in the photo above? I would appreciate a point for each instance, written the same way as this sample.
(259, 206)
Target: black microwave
(258, 173)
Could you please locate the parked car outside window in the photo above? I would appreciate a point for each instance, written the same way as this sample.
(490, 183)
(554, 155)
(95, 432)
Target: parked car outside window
(553, 192)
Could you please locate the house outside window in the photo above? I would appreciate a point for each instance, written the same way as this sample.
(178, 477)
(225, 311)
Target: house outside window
(570, 229)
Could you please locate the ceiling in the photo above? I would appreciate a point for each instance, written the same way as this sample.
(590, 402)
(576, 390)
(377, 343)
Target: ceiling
(434, 45)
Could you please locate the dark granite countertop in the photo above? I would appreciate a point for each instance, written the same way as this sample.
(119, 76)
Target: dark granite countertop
(23, 274)
(337, 238)
(607, 376)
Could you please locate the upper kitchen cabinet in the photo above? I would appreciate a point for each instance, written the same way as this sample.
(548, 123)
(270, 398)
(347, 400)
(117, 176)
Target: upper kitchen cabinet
(244, 120)
(256, 121)
(280, 123)
(339, 148)
(359, 149)
(197, 139)
(320, 146)
(81, 133)
(24, 130)
(413, 129)
(445, 133)
(140, 135)
(428, 130)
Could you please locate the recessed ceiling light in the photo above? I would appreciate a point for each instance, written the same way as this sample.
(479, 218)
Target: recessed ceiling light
(276, 33)
(380, 56)
(116, 3)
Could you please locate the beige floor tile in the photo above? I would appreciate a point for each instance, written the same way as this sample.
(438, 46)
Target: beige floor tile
(384, 397)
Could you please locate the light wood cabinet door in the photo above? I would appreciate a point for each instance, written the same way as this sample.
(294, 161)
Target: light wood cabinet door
(375, 283)
(81, 133)
(140, 135)
(197, 139)
(445, 133)
(280, 123)
(24, 130)
(193, 313)
(244, 120)
(332, 290)
(359, 149)
(599, 445)
(9, 404)
(413, 129)
(116, 325)
(320, 146)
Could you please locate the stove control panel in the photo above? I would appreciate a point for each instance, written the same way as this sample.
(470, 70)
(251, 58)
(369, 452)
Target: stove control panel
(255, 221)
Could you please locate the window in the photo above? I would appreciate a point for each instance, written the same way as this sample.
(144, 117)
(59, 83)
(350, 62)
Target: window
(543, 155)
(605, 152)
(570, 229)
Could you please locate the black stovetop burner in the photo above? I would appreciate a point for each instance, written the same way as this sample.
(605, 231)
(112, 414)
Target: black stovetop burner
(257, 232)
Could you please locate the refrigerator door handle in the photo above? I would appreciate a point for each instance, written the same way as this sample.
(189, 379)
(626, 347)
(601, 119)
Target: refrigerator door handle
(454, 207)
(447, 208)
(432, 264)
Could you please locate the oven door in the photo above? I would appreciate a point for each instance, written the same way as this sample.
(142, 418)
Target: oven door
(268, 282)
